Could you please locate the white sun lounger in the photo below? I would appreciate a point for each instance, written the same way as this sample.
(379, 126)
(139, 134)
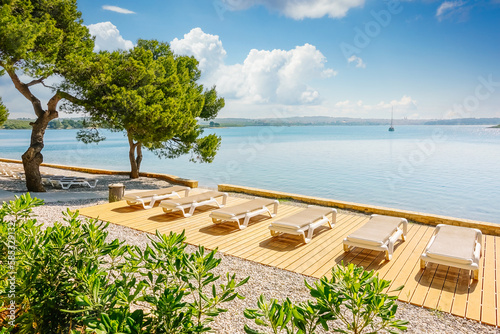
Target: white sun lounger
(245, 211)
(153, 196)
(66, 183)
(304, 221)
(454, 246)
(47, 178)
(379, 233)
(192, 202)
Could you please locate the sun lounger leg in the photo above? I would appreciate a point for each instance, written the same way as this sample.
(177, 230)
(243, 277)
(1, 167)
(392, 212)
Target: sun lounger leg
(388, 255)
(476, 274)
(346, 248)
(191, 210)
(245, 222)
(310, 233)
(329, 222)
(274, 233)
(275, 211)
(422, 264)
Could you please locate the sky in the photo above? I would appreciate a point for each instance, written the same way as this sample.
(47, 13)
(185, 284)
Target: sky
(424, 59)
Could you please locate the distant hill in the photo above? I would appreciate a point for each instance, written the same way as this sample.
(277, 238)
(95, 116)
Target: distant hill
(346, 121)
(465, 121)
(61, 123)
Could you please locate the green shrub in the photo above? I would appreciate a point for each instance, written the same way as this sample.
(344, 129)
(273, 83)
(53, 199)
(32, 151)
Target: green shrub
(353, 296)
(70, 279)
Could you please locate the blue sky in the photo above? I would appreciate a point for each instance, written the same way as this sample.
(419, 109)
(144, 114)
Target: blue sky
(340, 58)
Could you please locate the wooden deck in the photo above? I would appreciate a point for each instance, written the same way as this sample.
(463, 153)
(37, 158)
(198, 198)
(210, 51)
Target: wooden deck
(437, 287)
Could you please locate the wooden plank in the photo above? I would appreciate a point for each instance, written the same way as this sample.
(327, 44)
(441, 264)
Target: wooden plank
(394, 269)
(336, 254)
(497, 278)
(448, 293)
(459, 307)
(436, 287)
(424, 279)
(488, 303)
(409, 274)
(475, 294)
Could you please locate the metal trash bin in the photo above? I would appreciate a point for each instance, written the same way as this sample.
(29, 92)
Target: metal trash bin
(116, 192)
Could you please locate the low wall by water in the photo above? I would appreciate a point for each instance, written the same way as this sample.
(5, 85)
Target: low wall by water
(166, 177)
(419, 217)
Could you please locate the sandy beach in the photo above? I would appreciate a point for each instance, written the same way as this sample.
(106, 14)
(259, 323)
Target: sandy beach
(272, 282)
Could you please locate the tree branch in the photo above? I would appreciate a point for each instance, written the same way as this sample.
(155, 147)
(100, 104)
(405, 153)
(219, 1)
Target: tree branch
(35, 82)
(24, 89)
(69, 97)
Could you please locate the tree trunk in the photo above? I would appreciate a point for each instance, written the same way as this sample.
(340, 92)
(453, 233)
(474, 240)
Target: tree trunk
(33, 157)
(135, 157)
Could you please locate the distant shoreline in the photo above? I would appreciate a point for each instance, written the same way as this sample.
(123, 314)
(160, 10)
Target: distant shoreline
(65, 123)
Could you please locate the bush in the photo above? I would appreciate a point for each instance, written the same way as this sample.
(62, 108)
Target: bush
(69, 279)
(353, 296)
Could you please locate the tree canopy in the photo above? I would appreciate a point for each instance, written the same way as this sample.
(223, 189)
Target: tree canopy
(4, 113)
(153, 96)
(41, 38)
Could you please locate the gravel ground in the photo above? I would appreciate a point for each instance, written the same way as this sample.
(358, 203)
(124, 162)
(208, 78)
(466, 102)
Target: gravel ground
(272, 282)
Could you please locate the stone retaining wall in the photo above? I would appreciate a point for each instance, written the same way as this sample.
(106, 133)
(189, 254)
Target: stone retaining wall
(166, 177)
(425, 218)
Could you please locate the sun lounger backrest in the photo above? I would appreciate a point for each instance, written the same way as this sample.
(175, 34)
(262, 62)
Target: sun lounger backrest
(155, 192)
(195, 198)
(455, 242)
(304, 217)
(378, 229)
(247, 206)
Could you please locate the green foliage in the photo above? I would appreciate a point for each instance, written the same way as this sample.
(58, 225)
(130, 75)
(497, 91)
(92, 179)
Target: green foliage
(4, 113)
(71, 279)
(17, 124)
(152, 95)
(66, 123)
(41, 38)
(353, 296)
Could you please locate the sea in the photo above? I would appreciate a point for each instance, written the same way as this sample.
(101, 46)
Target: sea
(445, 170)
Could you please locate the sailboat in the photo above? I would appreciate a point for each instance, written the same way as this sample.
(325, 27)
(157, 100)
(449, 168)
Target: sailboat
(391, 129)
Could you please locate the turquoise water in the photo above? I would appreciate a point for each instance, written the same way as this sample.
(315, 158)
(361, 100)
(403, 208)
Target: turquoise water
(449, 170)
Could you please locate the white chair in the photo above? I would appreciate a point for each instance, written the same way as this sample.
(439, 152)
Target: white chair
(304, 221)
(192, 202)
(454, 246)
(379, 233)
(153, 196)
(245, 211)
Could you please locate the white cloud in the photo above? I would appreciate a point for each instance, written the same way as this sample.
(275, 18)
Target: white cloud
(107, 37)
(450, 9)
(206, 48)
(403, 106)
(406, 103)
(118, 9)
(276, 76)
(358, 60)
(299, 9)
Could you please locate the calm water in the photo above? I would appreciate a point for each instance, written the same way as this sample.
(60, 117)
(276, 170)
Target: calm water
(442, 170)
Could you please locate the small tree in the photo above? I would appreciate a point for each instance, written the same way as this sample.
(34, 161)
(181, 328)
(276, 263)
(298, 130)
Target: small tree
(40, 39)
(153, 96)
(352, 296)
(4, 113)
